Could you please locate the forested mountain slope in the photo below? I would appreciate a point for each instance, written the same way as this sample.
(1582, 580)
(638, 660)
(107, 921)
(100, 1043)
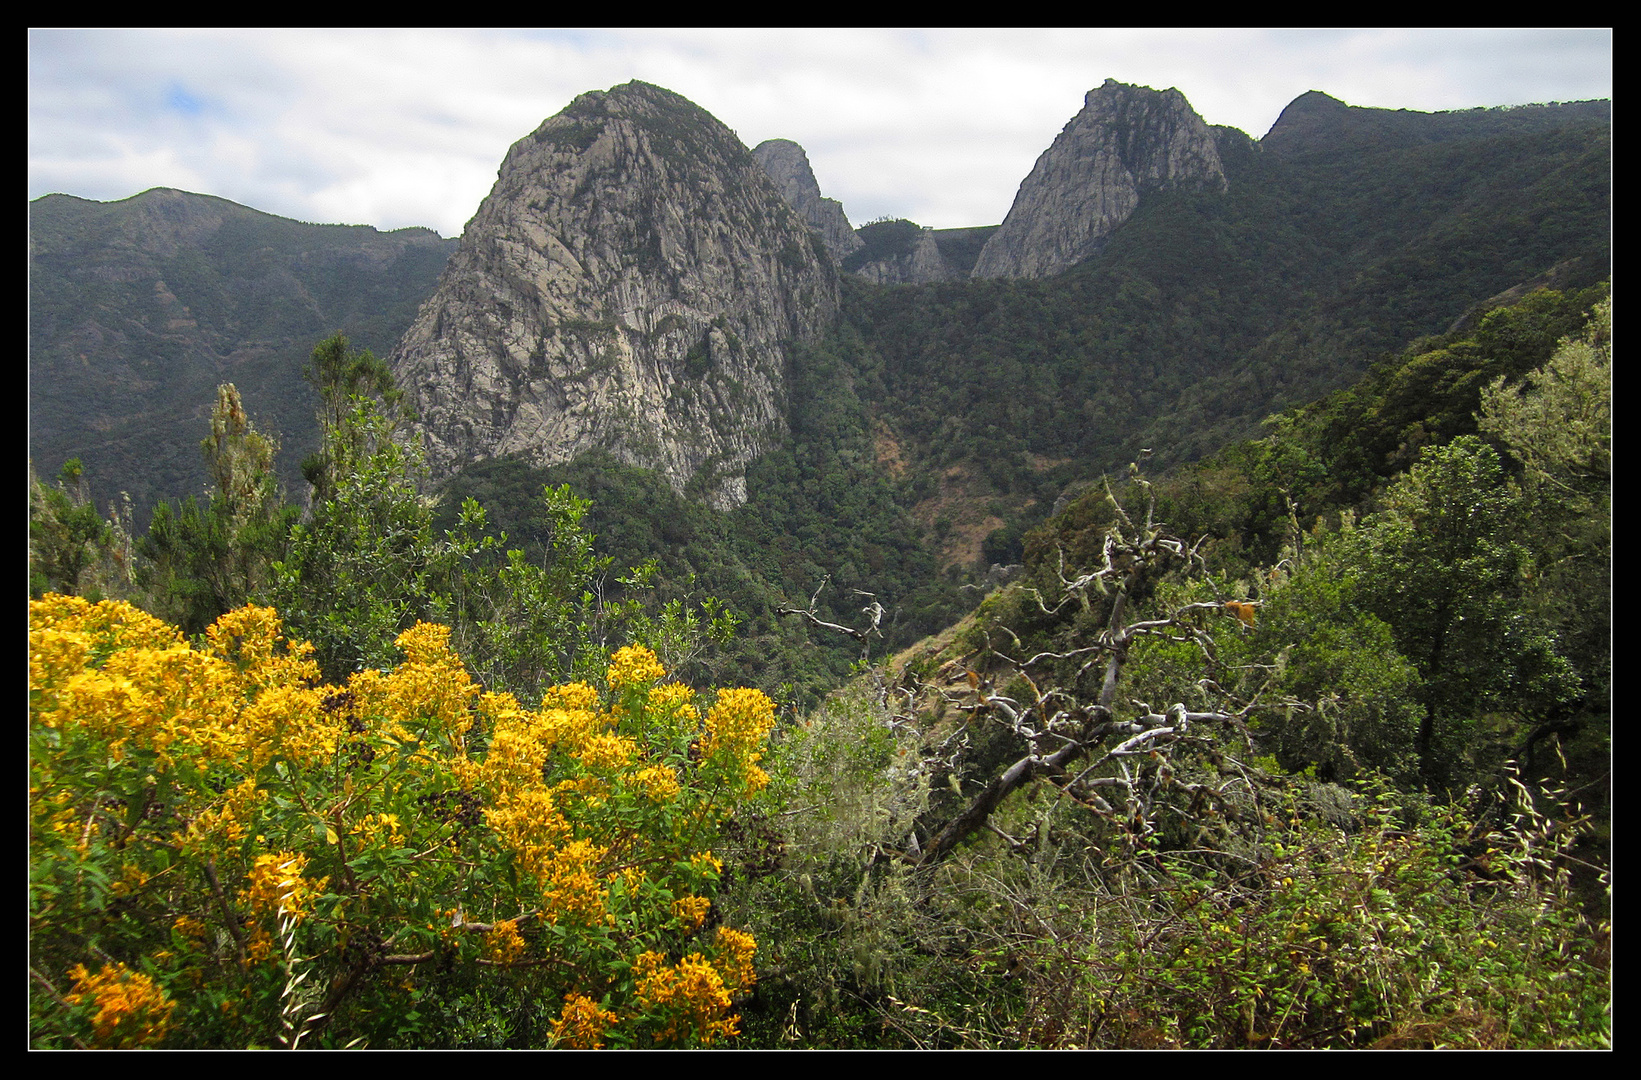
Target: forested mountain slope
(138, 309)
(1207, 311)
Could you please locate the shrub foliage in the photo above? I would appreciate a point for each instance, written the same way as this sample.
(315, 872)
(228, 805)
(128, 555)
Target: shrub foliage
(227, 852)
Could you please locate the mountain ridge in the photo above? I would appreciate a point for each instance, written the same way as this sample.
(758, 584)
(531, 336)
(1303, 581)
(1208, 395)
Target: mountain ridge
(133, 412)
(139, 307)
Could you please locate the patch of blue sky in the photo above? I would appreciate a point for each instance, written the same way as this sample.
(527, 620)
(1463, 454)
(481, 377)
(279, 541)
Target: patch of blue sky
(179, 99)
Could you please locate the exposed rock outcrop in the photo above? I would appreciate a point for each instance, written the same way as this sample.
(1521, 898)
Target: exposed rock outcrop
(899, 253)
(788, 165)
(628, 285)
(1127, 140)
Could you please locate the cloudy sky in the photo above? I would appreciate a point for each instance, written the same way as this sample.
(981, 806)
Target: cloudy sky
(406, 127)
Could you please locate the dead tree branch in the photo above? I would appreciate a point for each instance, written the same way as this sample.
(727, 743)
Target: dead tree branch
(874, 612)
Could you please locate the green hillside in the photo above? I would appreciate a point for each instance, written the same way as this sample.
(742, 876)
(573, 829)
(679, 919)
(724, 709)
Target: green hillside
(138, 309)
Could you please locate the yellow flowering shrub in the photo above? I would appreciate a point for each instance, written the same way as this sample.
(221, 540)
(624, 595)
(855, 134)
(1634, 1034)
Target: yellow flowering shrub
(276, 885)
(735, 952)
(736, 731)
(130, 1011)
(691, 910)
(582, 1024)
(690, 995)
(256, 854)
(633, 666)
(505, 945)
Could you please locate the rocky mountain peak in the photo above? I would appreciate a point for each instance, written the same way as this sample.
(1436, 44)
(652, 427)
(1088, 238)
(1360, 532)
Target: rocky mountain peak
(788, 165)
(630, 284)
(1126, 140)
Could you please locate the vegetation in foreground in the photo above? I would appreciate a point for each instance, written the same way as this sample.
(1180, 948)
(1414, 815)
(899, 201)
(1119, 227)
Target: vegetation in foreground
(1167, 790)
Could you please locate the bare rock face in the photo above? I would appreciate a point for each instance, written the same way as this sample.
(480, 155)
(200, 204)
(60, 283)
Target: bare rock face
(628, 285)
(788, 165)
(1126, 140)
(900, 253)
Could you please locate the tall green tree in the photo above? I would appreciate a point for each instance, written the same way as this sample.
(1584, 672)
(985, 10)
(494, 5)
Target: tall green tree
(72, 549)
(1557, 424)
(202, 561)
(518, 623)
(1441, 564)
(1328, 651)
(356, 571)
(342, 376)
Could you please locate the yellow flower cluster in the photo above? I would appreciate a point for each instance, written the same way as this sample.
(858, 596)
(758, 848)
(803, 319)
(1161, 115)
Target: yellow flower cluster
(582, 1023)
(428, 696)
(691, 910)
(740, 721)
(570, 888)
(285, 721)
(190, 928)
(131, 682)
(658, 782)
(533, 816)
(113, 623)
(54, 656)
(132, 877)
(504, 944)
(569, 728)
(223, 822)
(530, 824)
(277, 884)
(673, 700)
(634, 665)
(633, 878)
(691, 994)
(737, 726)
(735, 952)
(607, 753)
(131, 1010)
(378, 825)
(248, 638)
(517, 752)
(570, 696)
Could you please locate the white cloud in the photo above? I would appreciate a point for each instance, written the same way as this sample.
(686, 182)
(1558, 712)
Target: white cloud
(402, 127)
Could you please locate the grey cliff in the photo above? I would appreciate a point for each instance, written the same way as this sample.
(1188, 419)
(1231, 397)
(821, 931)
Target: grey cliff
(1126, 140)
(788, 165)
(630, 284)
